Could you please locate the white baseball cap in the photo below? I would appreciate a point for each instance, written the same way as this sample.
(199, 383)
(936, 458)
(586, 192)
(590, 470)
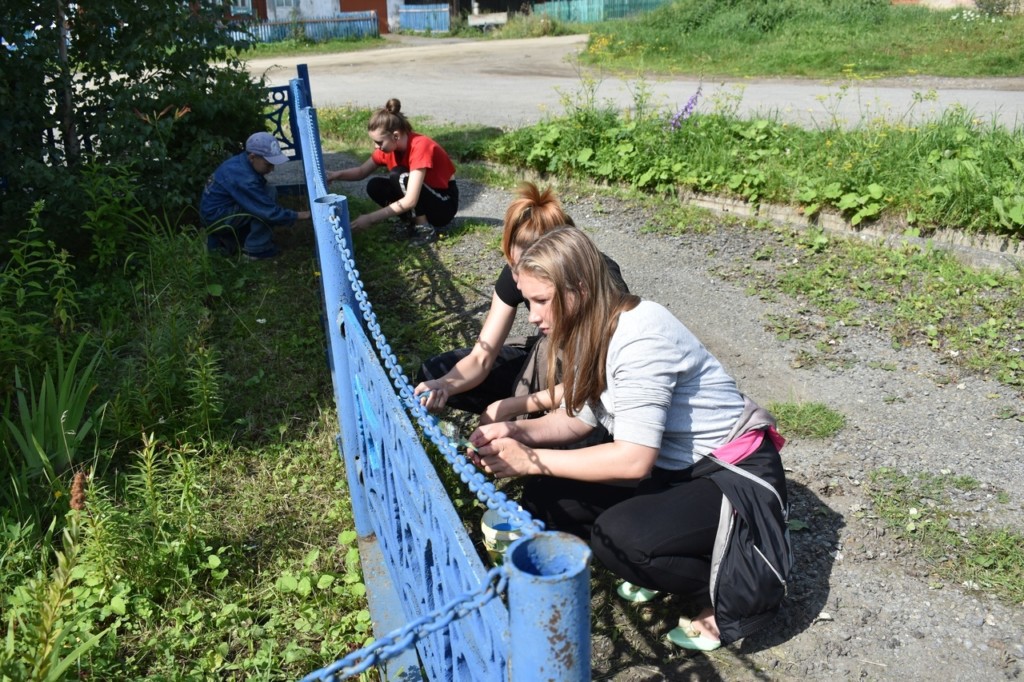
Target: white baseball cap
(264, 145)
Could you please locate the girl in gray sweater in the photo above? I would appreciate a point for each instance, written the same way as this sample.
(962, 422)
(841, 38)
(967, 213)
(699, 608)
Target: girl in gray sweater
(634, 368)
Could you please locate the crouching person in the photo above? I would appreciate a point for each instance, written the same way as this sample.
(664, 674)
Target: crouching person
(651, 502)
(239, 207)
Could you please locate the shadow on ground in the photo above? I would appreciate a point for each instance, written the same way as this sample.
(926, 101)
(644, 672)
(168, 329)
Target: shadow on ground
(628, 642)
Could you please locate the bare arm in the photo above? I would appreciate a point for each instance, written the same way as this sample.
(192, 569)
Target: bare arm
(510, 408)
(354, 173)
(406, 203)
(509, 455)
(474, 368)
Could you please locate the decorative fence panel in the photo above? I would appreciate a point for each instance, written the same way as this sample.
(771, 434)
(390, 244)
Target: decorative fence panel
(592, 11)
(420, 566)
(434, 18)
(343, 25)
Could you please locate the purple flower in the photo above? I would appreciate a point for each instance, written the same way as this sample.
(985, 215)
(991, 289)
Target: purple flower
(680, 117)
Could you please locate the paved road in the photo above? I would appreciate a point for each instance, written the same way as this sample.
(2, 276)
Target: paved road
(509, 83)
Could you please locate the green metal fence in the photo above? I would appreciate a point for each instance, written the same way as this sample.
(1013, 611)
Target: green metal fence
(591, 11)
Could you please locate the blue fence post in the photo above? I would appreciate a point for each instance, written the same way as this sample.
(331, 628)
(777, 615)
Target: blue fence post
(552, 643)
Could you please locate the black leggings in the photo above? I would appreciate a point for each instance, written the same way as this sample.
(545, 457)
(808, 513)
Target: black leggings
(500, 382)
(438, 205)
(658, 535)
(658, 538)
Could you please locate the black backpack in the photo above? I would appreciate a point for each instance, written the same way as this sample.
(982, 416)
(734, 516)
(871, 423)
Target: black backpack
(752, 558)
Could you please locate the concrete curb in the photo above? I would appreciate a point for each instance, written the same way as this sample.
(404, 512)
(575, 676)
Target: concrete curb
(983, 251)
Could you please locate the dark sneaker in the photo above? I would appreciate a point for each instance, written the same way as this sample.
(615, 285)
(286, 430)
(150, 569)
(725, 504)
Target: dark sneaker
(221, 244)
(403, 230)
(424, 235)
(272, 252)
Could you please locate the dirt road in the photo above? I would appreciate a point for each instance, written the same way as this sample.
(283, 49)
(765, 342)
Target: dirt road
(508, 83)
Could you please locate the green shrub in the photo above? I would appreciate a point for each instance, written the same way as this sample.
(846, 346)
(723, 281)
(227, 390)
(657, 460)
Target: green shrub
(38, 297)
(152, 88)
(997, 8)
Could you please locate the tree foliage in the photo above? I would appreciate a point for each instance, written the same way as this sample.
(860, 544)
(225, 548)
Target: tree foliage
(151, 89)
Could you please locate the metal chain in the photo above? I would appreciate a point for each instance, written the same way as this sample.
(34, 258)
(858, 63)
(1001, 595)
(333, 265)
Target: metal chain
(467, 472)
(406, 637)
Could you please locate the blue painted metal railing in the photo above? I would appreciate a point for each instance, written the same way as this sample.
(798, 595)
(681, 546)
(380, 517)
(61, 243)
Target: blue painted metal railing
(426, 583)
(424, 18)
(281, 110)
(592, 11)
(318, 29)
(281, 102)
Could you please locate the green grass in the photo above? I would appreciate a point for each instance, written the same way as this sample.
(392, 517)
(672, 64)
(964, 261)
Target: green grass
(807, 420)
(296, 47)
(918, 508)
(216, 539)
(810, 38)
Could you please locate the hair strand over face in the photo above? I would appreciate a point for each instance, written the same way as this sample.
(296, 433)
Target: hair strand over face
(585, 310)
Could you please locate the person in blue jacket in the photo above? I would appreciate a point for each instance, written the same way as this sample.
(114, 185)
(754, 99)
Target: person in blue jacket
(240, 207)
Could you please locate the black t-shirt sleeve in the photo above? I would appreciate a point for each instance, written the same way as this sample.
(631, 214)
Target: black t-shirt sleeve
(506, 288)
(510, 295)
(616, 273)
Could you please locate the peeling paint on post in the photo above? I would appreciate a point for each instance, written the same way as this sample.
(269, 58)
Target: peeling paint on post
(549, 568)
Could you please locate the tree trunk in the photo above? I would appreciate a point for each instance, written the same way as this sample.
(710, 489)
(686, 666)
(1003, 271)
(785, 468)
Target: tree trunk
(68, 131)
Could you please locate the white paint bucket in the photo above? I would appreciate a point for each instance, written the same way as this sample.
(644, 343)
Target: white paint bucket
(499, 533)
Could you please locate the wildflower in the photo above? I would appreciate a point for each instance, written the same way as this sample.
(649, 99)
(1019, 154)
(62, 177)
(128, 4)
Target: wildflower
(677, 121)
(78, 491)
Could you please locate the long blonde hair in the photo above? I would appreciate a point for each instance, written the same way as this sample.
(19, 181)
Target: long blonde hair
(530, 215)
(585, 310)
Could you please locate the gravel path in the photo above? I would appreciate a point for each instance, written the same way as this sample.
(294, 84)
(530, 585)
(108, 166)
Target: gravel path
(863, 604)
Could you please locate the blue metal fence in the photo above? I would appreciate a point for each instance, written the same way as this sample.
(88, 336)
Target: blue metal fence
(420, 565)
(433, 18)
(342, 25)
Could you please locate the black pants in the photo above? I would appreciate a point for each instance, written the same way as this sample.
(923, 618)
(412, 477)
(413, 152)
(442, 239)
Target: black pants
(500, 383)
(439, 206)
(658, 535)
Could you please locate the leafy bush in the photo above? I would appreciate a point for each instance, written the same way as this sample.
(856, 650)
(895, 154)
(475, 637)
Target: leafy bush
(153, 88)
(997, 8)
(954, 172)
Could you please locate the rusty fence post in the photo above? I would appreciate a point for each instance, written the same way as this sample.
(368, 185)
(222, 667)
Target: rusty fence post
(549, 569)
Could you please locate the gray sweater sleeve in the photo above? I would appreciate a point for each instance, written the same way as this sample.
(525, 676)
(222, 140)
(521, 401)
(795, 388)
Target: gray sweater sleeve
(665, 390)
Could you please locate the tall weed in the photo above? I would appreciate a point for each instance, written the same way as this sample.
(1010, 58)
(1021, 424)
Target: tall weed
(47, 632)
(167, 308)
(38, 298)
(111, 212)
(954, 172)
(54, 420)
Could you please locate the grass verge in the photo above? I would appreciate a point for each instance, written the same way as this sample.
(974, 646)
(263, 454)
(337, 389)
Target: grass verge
(811, 38)
(957, 548)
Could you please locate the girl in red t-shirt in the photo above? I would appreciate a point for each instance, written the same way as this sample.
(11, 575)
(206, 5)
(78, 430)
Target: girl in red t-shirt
(420, 184)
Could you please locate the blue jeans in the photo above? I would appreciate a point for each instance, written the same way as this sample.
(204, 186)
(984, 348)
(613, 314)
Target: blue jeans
(240, 229)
